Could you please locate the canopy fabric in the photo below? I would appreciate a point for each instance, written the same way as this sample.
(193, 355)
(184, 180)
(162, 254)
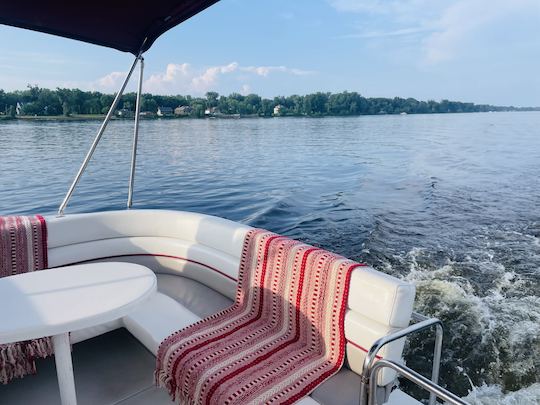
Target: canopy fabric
(128, 26)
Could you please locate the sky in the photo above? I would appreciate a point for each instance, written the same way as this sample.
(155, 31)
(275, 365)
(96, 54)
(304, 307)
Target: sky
(482, 51)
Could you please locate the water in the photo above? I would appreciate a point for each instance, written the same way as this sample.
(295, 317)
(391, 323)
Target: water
(450, 202)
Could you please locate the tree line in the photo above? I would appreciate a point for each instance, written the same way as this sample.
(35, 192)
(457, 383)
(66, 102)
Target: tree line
(45, 102)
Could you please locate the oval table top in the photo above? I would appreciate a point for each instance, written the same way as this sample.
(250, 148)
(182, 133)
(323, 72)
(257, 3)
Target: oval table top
(64, 299)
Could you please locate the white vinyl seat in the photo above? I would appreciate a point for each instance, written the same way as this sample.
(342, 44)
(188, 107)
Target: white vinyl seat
(161, 316)
(199, 255)
(158, 318)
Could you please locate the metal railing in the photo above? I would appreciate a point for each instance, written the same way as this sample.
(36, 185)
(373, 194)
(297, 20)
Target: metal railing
(424, 323)
(135, 135)
(100, 132)
(411, 375)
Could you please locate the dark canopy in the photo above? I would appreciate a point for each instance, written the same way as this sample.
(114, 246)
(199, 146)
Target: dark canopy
(126, 25)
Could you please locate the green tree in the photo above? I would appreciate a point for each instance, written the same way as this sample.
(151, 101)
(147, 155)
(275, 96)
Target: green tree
(212, 99)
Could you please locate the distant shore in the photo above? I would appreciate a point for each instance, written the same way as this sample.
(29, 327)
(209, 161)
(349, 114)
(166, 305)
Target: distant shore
(100, 117)
(74, 117)
(74, 104)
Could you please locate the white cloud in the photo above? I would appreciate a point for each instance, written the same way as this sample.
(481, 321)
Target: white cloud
(111, 81)
(266, 70)
(399, 8)
(187, 79)
(393, 33)
(246, 89)
(360, 6)
(174, 74)
(466, 19)
(208, 79)
(443, 28)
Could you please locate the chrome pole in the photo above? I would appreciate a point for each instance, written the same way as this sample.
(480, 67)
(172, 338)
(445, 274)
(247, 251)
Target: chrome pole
(96, 140)
(135, 134)
(379, 343)
(436, 360)
(413, 376)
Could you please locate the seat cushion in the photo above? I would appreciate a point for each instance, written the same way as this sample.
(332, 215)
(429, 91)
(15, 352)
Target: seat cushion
(159, 317)
(198, 298)
(182, 301)
(381, 297)
(163, 315)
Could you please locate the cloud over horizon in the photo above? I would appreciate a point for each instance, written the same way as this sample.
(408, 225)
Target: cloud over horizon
(483, 51)
(443, 29)
(183, 78)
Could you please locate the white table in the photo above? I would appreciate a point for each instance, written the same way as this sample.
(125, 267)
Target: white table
(58, 301)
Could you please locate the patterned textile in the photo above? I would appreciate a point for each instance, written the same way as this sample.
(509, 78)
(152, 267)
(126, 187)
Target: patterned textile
(23, 248)
(281, 338)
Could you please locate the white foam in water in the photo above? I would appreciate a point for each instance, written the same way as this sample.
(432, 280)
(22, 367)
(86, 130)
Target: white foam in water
(492, 394)
(495, 328)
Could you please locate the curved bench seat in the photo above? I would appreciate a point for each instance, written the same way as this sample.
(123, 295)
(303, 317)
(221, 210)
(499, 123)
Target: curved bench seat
(206, 251)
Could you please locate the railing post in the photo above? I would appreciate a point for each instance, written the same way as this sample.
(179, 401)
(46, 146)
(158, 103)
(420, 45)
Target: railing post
(135, 134)
(436, 360)
(414, 377)
(96, 140)
(384, 340)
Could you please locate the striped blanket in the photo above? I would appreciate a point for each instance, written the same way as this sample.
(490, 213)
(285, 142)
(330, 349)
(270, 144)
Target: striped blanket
(23, 248)
(281, 338)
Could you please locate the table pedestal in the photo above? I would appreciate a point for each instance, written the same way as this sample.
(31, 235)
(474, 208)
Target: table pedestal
(64, 369)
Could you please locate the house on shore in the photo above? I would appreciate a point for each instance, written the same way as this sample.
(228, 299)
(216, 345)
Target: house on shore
(164, 111)
(277, 110)
(211, 112)
(124, 113)
(147, 114)
(183, 110)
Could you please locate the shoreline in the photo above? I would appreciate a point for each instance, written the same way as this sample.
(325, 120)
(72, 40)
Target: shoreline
(100, 117)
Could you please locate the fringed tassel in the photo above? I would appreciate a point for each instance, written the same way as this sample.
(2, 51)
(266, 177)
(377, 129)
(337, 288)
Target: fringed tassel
(18, 359)
(164, 380)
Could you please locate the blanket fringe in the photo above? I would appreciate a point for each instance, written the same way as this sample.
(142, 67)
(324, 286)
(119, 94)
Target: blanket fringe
(164, 380)
(18, 359)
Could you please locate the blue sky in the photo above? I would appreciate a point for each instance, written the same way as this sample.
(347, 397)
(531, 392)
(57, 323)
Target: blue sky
(484, 51)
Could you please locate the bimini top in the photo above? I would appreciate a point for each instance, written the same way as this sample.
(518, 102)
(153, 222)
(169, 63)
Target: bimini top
(126, 25)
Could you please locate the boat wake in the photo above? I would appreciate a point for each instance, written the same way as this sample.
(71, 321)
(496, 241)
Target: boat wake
(486, 293)
(492, 394)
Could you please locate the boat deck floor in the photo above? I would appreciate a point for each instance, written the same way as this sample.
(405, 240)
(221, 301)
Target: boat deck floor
(115, 369)
(110, 369)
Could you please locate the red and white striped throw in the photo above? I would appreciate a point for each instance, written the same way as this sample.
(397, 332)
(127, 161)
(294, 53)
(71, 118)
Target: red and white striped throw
(23, 248)
(281, 338)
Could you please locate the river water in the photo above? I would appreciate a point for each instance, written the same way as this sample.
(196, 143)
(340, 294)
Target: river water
(450, 202)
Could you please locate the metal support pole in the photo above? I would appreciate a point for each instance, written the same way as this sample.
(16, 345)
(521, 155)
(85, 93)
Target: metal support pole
(413, 376)
(379, 343)
(436, 361)
(135, 135)
(96, 140)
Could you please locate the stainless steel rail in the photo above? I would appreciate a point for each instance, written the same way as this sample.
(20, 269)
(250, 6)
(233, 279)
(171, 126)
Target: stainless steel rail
(135, 135)
(97, 138)
(411, 375)
(424, 323)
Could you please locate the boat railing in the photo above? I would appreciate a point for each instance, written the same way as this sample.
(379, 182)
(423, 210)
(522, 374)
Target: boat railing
(422, 323)
(435, 390)
(138, 59)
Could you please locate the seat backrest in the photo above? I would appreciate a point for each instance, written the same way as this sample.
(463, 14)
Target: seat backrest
(207, 249)
(378, 305)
